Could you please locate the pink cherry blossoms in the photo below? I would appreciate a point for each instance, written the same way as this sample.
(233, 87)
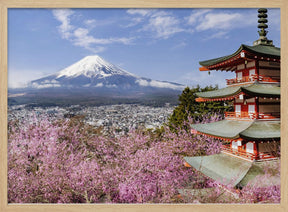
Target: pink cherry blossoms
(66, 161)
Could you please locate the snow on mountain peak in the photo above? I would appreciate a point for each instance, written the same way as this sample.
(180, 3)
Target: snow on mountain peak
(93, 71)
(92, 66)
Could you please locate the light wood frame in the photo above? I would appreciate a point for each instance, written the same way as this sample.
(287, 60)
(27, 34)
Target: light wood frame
(6, 4)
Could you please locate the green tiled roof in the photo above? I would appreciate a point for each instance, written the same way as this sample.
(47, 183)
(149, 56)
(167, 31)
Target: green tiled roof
(263, 90)
(256, 89)
(261, 50)
(221, 167)
(264, 50)
(257, 170)
(224, 92)
(231, 170)
(226, 128)
(262, 130)
(233, 129)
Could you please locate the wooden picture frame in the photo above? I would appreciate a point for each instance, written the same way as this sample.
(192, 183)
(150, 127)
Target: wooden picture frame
(6, 4)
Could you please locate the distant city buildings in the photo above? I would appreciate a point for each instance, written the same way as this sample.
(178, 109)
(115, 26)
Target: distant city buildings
(116, 118)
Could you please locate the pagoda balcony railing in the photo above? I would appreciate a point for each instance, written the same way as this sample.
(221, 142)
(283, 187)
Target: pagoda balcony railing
(247, 115)
(247, 155)
(252, 78)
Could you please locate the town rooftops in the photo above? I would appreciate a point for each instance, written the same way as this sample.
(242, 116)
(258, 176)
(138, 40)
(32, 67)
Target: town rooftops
(234, 129)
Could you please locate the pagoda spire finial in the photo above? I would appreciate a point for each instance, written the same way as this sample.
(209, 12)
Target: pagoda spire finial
(262, 15)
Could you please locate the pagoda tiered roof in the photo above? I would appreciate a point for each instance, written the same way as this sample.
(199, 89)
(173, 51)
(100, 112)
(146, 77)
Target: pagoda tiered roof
(244, 52)
(255, 89)
(231, 170)
(245, 129)
(251, 132)
(221, 167)
(262, 130)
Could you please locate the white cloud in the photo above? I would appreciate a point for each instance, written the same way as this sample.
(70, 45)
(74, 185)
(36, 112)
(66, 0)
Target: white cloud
(17, 84)
(111, 86)
(63, 15)
(219, 21)
(219, 34)
(45, 84)
(158, 84)
(92, 23)
(134, 22)
(99, 85)
(163, 26)
(81, 36)
(19, 78)
(208, 19)
(54, 81)
(165, 85)
(142, 12)
(81, 32)
(89, 22)
(142, 82)
(179, 45)
(195, 16)
(160, 23)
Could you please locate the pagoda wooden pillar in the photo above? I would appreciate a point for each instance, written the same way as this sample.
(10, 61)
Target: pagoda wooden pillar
(257, 107)
(257, 71)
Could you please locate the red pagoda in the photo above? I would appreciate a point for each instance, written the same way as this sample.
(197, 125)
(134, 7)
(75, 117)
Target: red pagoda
(251, 133)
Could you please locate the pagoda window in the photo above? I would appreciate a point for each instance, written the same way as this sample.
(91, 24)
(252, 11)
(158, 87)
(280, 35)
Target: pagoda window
(269, 111)
(238, 110)
(269, 108)
(267, 147)
(271, 75)
(239, 75)
(239, 101)
(269, 64)
(251, 73)
(250, 147)
(234, 145)
(250, 100)
(251, 110)
(250, 64)
(240, 67)
(239, 142)
(267, 72)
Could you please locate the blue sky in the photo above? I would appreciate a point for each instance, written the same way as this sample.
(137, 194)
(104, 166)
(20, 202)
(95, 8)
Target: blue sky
(161, 44)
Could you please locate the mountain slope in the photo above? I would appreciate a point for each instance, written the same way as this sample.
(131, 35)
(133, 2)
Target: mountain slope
(95, 72)
(94, 81)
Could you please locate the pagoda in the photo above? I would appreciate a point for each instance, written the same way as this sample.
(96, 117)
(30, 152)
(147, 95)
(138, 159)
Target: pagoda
(251, 133)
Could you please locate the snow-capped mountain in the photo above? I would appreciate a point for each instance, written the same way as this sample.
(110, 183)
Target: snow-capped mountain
(95, 72)
(92, 66)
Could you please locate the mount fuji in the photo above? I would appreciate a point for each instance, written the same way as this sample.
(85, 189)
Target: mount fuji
(92, 80)
(94, 72)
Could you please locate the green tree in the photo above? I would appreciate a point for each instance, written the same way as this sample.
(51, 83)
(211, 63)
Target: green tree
(189, 107)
